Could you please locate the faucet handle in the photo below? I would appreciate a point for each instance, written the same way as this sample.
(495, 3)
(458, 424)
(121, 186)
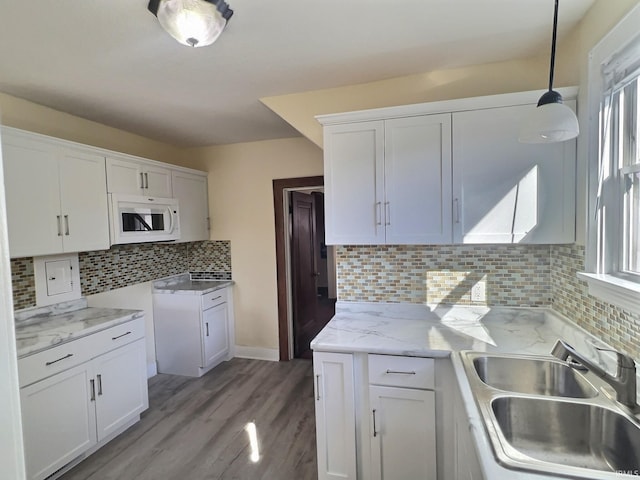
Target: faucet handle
(624, 361)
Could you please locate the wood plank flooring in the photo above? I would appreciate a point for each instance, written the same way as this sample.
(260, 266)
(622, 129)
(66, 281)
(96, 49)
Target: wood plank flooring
(194, 429)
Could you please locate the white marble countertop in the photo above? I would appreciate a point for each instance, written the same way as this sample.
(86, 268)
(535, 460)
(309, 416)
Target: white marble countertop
(40, 328)
(184, 285)
(420, 330)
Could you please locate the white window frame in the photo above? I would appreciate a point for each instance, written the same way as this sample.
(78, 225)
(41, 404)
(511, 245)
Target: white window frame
(619, 48)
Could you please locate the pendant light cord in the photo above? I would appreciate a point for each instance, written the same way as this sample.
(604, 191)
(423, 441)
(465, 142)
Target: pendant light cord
(553, 46)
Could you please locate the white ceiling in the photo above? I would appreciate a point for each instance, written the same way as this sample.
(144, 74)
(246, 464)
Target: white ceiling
(111, 62)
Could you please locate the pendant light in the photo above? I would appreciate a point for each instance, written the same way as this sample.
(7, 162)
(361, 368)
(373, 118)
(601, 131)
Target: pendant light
(195, 23)
(552, 121)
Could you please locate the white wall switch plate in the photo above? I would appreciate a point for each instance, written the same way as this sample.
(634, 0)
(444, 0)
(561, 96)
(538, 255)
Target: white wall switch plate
(479, 292)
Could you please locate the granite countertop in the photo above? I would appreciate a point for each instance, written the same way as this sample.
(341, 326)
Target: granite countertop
(40, 328)
(423, 331)
(184, 285)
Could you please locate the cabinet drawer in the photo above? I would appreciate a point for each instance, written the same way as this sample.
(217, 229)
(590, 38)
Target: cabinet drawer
(214, 298)
(54, 360)
(117, 336)
(411, 372)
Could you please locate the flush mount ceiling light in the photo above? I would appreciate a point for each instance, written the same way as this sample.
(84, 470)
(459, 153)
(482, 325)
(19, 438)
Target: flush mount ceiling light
(195, 23)
(551, 121)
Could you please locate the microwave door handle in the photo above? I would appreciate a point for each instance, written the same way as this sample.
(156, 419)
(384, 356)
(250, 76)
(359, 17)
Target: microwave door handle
(171, 220)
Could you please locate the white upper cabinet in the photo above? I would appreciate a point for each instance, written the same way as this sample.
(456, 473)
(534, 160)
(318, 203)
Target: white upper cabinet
(506, 191)
(385, 181)
(133, 177)
(56, 196)
(191, 190)
(354, 183)
(447, 172)
(418, 179)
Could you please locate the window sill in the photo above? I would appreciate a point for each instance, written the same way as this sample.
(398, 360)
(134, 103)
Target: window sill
(614, 290)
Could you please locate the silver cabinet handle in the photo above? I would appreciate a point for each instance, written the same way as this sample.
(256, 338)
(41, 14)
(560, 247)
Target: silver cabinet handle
(66, 225)
(207, 325)
(456, 208)
(59, 219)
(68, 355)
(146, 181)
(99, 384)
(400, 372)
(215, 298)
(378, 213)
(375, 433)
(92, 382)
(317, 387)
(120, 336)
(387, 214)
(141, 180)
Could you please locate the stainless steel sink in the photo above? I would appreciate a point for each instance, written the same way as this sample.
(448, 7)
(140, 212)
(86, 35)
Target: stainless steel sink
(532, 376)
(567, 433)
(543, 416)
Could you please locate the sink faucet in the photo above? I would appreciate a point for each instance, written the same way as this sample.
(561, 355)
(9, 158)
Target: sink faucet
(624, 382)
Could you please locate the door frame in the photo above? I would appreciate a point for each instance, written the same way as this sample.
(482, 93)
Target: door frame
(280, 202)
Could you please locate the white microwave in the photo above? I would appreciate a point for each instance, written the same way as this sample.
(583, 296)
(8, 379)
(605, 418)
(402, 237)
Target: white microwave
(139, 219)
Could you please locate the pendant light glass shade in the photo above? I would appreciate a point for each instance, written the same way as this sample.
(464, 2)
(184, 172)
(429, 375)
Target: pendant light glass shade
(195, 23)
(551, 121)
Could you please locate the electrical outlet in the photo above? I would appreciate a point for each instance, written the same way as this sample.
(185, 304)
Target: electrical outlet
(479, 292)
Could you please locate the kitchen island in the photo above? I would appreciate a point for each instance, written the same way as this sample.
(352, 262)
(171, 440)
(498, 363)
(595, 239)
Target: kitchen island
(361, 334)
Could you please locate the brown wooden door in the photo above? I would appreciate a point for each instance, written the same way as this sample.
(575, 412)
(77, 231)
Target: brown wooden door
(304, 272)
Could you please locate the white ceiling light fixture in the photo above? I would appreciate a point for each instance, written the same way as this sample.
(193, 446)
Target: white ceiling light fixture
(552, 121)
(195, 23)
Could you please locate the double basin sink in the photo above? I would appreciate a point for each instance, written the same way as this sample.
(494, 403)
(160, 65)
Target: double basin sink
(542, 415)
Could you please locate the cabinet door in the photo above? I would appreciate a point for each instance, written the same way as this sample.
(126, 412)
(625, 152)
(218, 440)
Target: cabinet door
(335, 415)
(83, 188)
(192, 193)
(157, 181)
(58, 420)
(417, 206)
(354, 183)
(33, 196)
(124, 176)
(121, 387)
(467, 465)
(403, 441)
(506, 191)
(215, 335)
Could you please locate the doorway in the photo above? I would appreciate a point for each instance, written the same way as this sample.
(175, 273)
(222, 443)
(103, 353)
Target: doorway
(305, 265)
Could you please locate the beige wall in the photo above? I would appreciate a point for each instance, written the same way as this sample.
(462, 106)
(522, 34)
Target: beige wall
(18, 113)
(241, 208)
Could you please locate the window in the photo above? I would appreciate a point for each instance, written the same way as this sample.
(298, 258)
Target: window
(613, 149)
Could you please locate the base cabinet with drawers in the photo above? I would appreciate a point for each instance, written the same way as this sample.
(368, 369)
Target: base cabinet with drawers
(375, 416)
(79, 395)
(194, 332)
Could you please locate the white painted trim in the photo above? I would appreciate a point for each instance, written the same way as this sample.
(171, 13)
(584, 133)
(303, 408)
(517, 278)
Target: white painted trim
(614, 290)
(101, 151)
(445, 106)
(257, 353)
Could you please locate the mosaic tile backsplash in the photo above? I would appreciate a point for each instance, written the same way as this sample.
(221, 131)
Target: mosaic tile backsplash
(514, 275)
(125, 265)
(615, 326)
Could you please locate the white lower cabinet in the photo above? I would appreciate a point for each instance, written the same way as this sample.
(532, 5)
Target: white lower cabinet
(392, 411)
(335, 415)
(58, 421)
(194, 333)
(93, 391)
(403, 441)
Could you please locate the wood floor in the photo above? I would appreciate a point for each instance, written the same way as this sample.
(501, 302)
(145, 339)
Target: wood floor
(194, 429)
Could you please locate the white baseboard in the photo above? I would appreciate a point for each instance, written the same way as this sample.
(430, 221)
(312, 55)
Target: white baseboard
(152, 369)
(257, 353)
